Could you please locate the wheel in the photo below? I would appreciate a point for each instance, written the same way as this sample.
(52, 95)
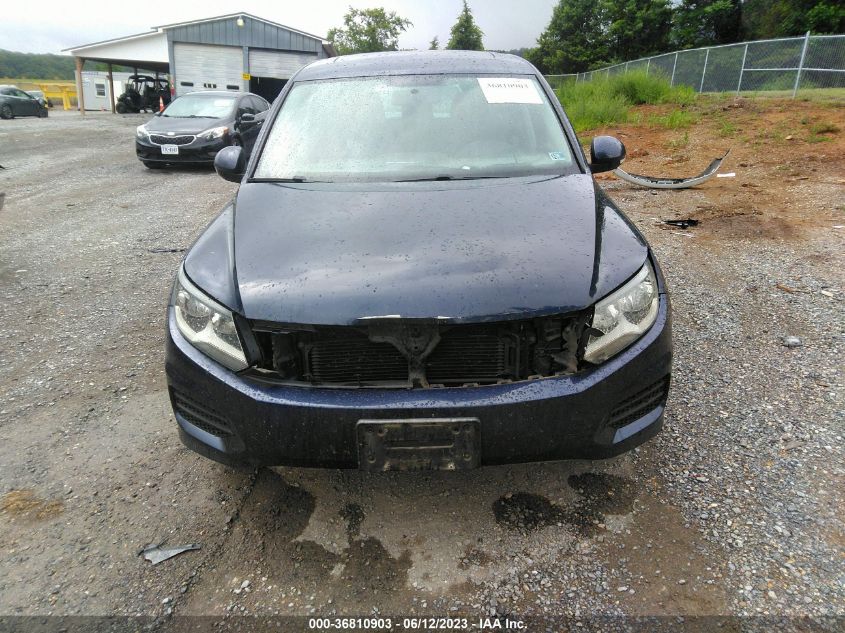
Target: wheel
(42, 113)
(6, 112)
(120, 107)
(151, 165)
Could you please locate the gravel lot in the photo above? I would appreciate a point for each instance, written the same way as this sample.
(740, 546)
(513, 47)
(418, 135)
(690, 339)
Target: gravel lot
(736, 509)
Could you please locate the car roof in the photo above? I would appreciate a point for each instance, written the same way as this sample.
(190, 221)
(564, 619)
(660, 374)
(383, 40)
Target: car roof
(416, 63)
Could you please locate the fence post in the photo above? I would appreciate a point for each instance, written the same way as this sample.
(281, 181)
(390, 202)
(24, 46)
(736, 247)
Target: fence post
(801, 64)
(742, 69)
(703, 71)
(647, 65)
(674, 65)
(626, 67)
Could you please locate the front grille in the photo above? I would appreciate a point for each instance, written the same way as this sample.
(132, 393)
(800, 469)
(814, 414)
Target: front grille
(161, 139)
(415, 353)
(638, 405)
(198, 415)
(355, 360)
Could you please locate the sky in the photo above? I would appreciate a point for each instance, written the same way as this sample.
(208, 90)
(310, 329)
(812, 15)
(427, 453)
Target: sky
(48, 26)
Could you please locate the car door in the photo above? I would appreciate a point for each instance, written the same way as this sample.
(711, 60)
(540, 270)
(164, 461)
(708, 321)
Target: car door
(24, 104)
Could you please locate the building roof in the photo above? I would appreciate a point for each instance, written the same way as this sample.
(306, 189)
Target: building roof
(417, 63)
(239, 14)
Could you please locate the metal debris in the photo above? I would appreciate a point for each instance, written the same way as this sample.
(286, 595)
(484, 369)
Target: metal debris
(792, 341)
(155, 553)
(684, 224)
(672, 183)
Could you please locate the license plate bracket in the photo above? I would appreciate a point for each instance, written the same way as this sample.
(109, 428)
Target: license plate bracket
(169, 150)
(419, 444)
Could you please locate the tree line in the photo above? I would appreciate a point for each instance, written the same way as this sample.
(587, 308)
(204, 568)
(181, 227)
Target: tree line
(587, 34)
(44, 66)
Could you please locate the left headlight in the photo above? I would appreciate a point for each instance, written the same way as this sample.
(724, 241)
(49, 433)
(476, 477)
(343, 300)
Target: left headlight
(213, 133)
(207, 325)
(623, 316)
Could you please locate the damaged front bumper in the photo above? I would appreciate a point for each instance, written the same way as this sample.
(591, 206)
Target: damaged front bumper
(596, 413)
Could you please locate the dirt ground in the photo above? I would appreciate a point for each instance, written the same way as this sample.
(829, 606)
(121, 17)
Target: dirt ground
(734, 510)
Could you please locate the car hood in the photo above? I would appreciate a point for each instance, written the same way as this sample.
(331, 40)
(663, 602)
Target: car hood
(182, 125)
(486, 250)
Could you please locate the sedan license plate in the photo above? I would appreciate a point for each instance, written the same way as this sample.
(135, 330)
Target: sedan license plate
(419, 444)
(169, 149)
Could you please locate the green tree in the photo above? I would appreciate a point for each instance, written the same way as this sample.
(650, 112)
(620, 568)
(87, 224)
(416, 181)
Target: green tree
(466, 36)
(434, 44)
(706, 22)
(764, 19)
(574, 40)
(636, 28)
(368, 31)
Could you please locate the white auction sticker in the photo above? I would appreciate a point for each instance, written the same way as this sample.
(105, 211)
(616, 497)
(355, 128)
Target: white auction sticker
(509, 90)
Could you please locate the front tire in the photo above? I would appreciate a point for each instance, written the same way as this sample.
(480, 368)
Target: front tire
(42, 114)
(120, 107)
(6, 112)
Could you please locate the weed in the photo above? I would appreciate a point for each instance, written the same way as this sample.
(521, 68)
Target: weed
(675, 120)
(824, 128)
(815, 138)
(727, 129)
(681, 141)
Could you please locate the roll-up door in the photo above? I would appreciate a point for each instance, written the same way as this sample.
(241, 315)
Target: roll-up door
(203, 67)
(277, 64)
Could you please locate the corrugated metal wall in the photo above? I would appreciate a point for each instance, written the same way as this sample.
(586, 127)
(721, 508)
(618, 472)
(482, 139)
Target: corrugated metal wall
(254, 34)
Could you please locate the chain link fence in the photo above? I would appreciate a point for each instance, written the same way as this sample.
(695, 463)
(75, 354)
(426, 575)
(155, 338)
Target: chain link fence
(789, 64)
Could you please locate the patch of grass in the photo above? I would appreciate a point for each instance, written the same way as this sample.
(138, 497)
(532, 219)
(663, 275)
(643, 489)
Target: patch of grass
(727, 129)
(681, 141)
(675, 120)
(607, 100)
(824, 128)
(816, 138)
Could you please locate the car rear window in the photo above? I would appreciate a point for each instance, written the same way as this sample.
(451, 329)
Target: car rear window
(415, 127)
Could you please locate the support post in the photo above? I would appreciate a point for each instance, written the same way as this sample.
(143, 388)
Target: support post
(703, 71)
(80, 93)
(111, 89)
(742, 70)
(801, 64)
(647, 65)
(674, 66)
(626, 68)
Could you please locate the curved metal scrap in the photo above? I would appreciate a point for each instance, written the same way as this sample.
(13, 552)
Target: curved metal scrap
(673, 183)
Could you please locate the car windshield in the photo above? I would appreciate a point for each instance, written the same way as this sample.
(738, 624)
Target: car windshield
(416, 127)
(199, 105)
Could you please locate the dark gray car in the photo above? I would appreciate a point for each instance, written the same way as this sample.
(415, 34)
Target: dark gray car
(15, 102)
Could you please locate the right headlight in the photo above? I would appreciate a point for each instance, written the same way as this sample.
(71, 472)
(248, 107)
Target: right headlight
(623, 316)
(141, 132)
(207, 325)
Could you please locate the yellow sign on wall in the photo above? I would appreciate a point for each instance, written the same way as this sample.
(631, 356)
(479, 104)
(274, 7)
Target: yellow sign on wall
(247, 76)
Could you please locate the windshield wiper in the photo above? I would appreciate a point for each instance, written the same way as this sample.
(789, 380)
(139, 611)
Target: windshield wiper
(296, 179)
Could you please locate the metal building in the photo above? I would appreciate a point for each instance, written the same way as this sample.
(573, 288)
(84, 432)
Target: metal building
(238, 51)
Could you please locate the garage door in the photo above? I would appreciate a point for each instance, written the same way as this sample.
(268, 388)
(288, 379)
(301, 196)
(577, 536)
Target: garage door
(276, 64)
(202, 67)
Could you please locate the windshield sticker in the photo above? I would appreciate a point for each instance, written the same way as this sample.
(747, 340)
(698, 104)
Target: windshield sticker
(558, 156)
(509, 90)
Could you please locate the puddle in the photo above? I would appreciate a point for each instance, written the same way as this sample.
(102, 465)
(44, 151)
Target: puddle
(600, 494)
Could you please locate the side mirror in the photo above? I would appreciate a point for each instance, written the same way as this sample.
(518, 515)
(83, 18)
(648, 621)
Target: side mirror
(606, 154)
(247, 117)
(157, 114)
(230, 163)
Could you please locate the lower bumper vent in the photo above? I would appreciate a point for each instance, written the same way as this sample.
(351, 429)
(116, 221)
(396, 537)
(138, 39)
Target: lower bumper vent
(199, 416)
(638, 405)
